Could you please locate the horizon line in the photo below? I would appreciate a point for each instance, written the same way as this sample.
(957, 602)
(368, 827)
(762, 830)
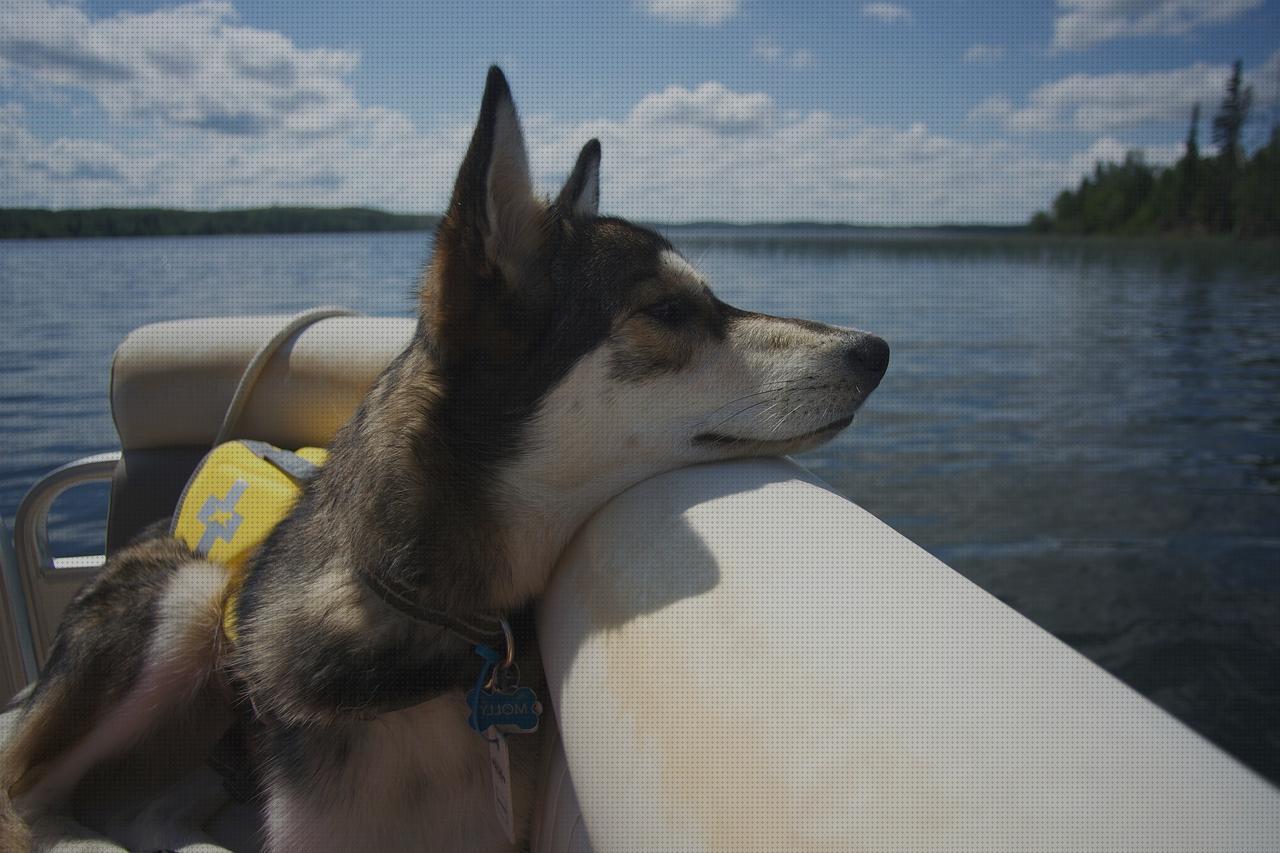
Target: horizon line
(693, 223)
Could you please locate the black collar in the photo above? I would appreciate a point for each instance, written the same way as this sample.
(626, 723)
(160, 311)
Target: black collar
(477, 629)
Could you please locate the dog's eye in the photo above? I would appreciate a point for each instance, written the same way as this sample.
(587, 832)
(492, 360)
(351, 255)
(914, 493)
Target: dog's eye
(669, 312)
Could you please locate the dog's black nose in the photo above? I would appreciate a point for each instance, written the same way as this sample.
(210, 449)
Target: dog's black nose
(869, 354)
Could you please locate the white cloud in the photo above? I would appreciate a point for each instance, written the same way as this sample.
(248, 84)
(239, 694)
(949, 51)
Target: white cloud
(887, 13)
(767, 49)
(708, 13)
(197, 110)
(1111, 150)
(65, 161)
(1093, 103)
(192, 65)
(983, 53)
(678, 155)
(669, 165)
(385, 162)
(710, 106)
(1085, 23)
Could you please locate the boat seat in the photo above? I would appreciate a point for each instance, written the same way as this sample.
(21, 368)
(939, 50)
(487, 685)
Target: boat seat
(171, 384)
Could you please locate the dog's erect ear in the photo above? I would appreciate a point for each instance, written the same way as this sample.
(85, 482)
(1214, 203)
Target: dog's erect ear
(493, 198)
(487, 245)
(580, 197)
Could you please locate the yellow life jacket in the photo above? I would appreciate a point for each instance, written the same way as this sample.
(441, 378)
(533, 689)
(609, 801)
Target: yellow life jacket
(239, 492)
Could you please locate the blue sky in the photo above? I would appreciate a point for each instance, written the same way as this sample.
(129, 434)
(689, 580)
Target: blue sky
(890, 113)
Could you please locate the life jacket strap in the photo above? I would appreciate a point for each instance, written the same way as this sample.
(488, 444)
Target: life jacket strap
(298, 467)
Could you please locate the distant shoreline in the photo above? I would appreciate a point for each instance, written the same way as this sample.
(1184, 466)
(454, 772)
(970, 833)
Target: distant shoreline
(38, 223)
(43, 223)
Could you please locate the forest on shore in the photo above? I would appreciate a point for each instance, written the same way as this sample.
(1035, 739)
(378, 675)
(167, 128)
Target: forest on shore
(1228, 192)
(28, 223)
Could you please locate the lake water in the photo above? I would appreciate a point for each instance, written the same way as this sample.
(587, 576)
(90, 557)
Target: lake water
(1089, 431)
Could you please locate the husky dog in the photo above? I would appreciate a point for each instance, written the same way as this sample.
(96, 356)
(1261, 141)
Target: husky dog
(560, 357)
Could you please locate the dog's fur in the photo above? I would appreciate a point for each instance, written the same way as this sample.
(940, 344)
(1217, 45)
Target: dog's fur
(560, 357)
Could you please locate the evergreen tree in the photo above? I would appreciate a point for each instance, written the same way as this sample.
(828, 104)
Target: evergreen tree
(1193, 148)
(1232, 114)
(1227, 127)
(1188, 175)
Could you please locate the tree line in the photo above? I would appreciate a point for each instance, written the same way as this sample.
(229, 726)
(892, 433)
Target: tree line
(20, 223)
(1229, 192)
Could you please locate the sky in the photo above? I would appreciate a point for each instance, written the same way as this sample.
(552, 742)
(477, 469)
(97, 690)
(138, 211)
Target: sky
(904, 113)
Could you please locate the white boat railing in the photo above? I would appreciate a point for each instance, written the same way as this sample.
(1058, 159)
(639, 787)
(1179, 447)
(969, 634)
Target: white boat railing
(741, 659)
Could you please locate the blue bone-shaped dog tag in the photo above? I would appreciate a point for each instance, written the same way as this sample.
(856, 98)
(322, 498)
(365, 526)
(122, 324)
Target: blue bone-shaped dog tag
(513, 711)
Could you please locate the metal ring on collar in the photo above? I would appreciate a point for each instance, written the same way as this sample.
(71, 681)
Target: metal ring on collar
(510, 641)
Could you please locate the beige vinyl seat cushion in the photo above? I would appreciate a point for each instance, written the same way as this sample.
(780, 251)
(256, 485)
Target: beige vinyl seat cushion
(171, 384)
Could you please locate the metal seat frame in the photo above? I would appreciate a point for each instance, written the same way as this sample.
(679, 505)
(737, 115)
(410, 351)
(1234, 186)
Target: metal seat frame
(35, 583)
